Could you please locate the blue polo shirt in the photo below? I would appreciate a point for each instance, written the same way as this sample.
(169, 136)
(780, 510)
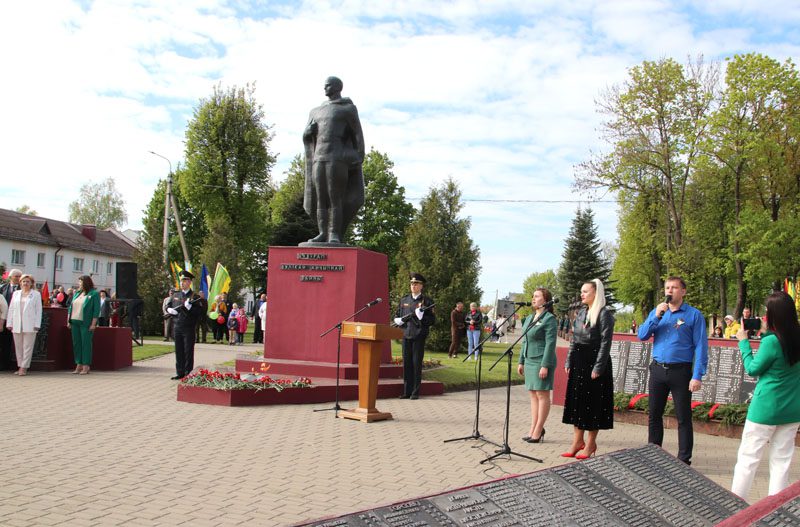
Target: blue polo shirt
(679, 336)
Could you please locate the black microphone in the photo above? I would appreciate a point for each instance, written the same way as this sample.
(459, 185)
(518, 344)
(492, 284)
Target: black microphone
(522, 304)
(667, 300)
(551, 302)
(376, 301)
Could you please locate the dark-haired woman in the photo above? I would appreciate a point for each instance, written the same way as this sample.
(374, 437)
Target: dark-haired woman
(589, 404)
(83, 312)
(537, 360)
(774, 412)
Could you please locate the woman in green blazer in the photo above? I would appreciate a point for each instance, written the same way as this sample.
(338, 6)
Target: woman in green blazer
(84, 310)
(774, 412)
(537, 360)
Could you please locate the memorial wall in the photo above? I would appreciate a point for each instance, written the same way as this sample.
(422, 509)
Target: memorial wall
(725, 381)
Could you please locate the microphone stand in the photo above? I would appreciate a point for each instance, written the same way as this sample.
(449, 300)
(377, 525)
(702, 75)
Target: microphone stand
(476, 434)
(338, 326)
(505, 449)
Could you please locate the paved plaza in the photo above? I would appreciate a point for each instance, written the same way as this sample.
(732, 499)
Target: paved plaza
(116, 448)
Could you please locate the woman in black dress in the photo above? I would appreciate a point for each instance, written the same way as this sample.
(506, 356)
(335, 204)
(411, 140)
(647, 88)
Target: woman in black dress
(589, 404)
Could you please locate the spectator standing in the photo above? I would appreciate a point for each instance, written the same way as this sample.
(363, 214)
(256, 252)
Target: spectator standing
(105, 309)
(457, 326)
(82, 318)
(169, 322)
(473, 321)
(732, 327)
(774, 412)
(241, 325)
(262, 313)
(6, 337)
(233, 324)
(201, 331)
(24, 321)
(258, 331)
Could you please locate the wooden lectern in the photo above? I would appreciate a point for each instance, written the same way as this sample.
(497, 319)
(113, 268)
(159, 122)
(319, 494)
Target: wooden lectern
(369, 337)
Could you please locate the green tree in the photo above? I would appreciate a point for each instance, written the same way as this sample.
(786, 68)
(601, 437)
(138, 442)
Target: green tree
(26, 209)
(227, 177)
(546, 279)
(437, 245)
(583, 260)
(381, 223)
(99, 204)
(289, 223)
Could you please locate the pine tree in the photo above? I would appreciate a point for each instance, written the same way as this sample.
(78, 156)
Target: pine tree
(437, 245)
(583, 261)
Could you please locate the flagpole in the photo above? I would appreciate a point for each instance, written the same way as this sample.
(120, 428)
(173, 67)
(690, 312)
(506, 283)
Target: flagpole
(166, 209)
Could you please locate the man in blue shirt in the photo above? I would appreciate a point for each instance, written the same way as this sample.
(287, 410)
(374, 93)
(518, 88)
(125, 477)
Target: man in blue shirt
(680, 358)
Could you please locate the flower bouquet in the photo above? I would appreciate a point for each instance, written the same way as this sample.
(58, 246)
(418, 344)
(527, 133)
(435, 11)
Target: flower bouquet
(233, 381)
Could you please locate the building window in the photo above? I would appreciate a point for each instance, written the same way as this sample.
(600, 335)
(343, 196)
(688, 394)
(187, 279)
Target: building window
(109, 268)
(77, 265)
(17, 257)
(95, 266)
(59, 262)
(40, 260)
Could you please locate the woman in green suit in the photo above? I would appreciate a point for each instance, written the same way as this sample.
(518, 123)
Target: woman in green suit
(774, 412)
(84, 310)
(537, 360)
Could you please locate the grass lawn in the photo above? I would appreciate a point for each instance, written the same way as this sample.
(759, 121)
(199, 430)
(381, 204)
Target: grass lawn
(457, 375)
(148, 351)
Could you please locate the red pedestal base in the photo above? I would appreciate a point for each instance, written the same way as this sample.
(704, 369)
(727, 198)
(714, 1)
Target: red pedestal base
(310, 289)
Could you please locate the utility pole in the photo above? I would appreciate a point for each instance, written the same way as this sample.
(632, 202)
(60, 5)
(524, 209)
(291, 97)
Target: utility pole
(171, 203)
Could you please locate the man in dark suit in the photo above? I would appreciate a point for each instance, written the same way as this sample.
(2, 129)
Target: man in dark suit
(105, 309)
(185, 309)
(201, 333)
(415, 317)
(6, 338)
(258, 335)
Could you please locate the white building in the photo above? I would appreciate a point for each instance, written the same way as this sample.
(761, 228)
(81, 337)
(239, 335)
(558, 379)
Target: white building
(59, 252)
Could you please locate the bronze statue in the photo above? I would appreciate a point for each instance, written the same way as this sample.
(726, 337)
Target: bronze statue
(334, 146)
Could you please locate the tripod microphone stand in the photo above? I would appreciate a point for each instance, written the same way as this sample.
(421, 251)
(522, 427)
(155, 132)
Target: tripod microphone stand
(338, 327)
(505, 448)
(476, 434)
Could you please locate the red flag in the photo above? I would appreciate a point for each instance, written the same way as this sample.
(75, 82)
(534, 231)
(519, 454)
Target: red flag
(45, 295)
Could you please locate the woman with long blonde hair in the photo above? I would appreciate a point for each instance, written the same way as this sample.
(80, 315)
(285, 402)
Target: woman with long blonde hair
(589, 404)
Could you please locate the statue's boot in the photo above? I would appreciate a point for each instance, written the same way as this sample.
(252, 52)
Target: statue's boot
(322, 223)
(335, 226)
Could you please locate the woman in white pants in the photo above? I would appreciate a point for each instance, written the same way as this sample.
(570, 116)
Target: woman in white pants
(24, 321)
(774, 412)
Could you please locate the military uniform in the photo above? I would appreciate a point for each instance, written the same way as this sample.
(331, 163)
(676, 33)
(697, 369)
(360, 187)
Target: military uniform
(185, 322)
(415, 331)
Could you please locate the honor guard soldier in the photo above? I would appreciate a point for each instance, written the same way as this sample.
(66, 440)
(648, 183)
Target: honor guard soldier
(185, 311)
(415, 316)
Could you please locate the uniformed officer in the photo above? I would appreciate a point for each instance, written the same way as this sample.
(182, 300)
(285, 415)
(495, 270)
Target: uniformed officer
(415, 322)
(185, 310)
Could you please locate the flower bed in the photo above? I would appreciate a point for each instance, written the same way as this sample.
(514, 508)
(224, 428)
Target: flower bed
(234, 381)
(427, 364)
(726, 420)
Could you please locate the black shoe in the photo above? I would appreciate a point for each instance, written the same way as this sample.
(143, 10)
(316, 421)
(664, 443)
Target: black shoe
(414, 397)
(537, 439)
(404, 396)
(176, 378)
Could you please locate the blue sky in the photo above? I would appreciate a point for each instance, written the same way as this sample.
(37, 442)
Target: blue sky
(498, 95)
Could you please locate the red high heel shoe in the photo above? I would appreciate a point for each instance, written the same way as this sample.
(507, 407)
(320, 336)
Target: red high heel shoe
(586, 456)
(572, 454)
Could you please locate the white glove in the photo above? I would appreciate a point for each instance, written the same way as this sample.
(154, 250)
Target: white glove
(172, 311)
(187, 305)
(419, 313)
(398, 321)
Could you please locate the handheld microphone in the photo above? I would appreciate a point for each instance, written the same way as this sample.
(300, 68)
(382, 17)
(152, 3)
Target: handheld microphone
(667, 300)
(524, 304)
(376, 301)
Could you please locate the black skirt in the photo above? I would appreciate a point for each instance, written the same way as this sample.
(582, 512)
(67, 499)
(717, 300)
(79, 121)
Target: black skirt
(589, 404)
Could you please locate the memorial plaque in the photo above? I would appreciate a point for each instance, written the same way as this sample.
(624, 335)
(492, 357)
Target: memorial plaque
(637, 367)
(728, 390)
(40, 344)
(787, 515)
(730, 363)
(637, 487)
(619, 359)
(707, 392)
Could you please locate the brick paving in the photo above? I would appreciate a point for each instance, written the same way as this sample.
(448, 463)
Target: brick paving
(116, 448)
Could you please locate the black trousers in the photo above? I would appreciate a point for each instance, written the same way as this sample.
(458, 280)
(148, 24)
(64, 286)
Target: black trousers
(6, 348)
(663, 380)
(413, 352)
(258, 335)
(184, 350)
